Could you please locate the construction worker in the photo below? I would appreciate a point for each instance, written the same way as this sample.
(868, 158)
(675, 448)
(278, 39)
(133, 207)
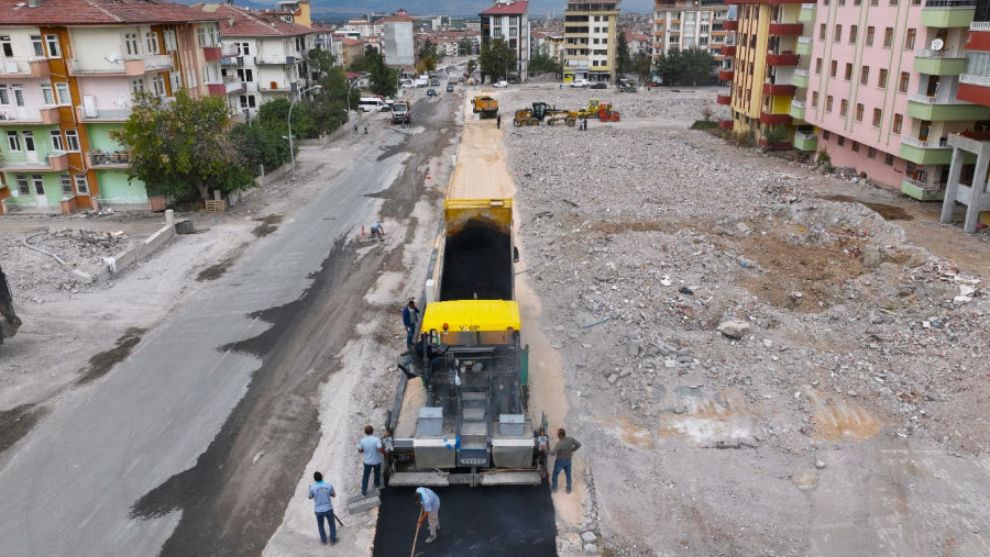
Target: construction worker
(377, 232)
(372, 449)
(543, 449)
(498, 122)
(366, 129)
(429, 503)
(563, 451)
(321, 493)
(410, 316)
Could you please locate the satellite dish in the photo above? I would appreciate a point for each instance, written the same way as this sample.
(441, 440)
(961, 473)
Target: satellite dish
(113, 58)
(938, 44)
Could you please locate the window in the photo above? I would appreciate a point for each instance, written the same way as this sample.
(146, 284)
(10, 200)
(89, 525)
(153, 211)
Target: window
(843, 107)
(821, 32)
(833, 68)
(37, 45)
(828, 103)
(870, 32)
(57, 143)
(909, 39)
(4, 94)
(131, 46)
(158, 83)
(855, 147)
(23, 186)
(902, 85)
(859, 112)
(170, 45)
(151, 41)
(838, 34)
(826, 135)
(243, 49)
(29, 141)
(864, 75)
(898, 123)
(247, 101)
(849, 72)
(72, 140)
(137, 86)
(62, 88)
(6, 46)
(82, 184)
(46, 94)
(888, 159)
(66, 182)
(54, 51)
(13, 141)
(877, 117)
(853, 34)
(888, 37)
(841, 140)
(871, 152)
(39, 184)
(882, 78)
(818, 66)
(814, 99)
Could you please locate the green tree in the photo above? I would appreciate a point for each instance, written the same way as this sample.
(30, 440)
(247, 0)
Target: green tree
(363, 63)
(496, 59)
(384, 81)
(274, 114)
(622, 60)
(181, 148)
(543, 64)
(260, 146)
(320, 62)
(642, 66)
(685, 67)
(465, 47)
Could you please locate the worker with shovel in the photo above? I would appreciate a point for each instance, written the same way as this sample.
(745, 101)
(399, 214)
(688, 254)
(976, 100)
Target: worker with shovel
(429, 503)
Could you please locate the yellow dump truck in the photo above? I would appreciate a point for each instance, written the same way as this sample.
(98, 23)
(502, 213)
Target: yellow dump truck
(461, 408)
(486, 106)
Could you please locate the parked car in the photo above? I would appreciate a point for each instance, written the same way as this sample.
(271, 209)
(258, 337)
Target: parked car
(626, 86)
(599, 85)
(435, 82)
(450, 87)
(431, 93)
(580, 82)
(502, 84)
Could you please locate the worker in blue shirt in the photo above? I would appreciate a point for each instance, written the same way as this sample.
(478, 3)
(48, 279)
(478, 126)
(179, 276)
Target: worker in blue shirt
(321, 493)
(429, 503)
(410, 316)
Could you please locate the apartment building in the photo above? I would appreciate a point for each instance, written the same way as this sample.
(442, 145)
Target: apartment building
(684, 24)
(970, 158)
(68, 72)
(400, 50)
(590, 37)
(509, 20)
(264, 56)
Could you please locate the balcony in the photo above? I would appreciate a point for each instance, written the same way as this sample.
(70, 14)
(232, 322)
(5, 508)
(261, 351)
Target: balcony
(775, 119)
(723, 99)
(212, 53)
(728, 50)
(923, 107)
(97, 115)
(229, 49)
(948, 13)
(803, 46)
(805, 141)
(777, 89)
(725, 75)
(24, 67)
(22, 117)
(101, 159)
(130, 67)
(277, 87)
(786, 29)
(939, 62)
(731, 25)
(782, 59)
(922, 191)
(56, 161)
(925, 152)
(807, 13)
(767, 2)
(800, 78)
(797, 110)
(276, 60)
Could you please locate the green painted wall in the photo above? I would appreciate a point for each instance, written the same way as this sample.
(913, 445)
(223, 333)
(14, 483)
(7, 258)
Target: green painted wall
(53, 190)
(42, 142)
(114, 188)
(99, 137)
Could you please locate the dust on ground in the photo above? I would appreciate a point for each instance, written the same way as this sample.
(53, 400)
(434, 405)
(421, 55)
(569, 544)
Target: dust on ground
(854, 346)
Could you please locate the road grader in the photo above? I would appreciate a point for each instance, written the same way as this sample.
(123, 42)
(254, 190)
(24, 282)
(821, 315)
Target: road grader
(541, 111)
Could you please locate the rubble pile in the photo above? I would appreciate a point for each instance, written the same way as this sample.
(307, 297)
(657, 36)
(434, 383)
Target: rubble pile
(703, 292)
(38, 271)
(661, 104)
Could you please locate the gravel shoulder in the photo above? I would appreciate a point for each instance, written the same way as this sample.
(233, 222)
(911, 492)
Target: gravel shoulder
(755, 365)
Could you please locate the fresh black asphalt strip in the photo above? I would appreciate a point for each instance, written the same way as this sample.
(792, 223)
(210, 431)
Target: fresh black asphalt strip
(480, 522)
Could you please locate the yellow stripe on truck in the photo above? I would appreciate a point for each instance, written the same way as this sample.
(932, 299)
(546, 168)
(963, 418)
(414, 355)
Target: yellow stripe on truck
(471, 316)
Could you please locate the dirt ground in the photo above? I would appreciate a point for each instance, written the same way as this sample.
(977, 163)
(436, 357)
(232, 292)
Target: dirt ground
(845, 392)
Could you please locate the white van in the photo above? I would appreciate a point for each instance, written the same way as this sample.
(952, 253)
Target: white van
(372, 104)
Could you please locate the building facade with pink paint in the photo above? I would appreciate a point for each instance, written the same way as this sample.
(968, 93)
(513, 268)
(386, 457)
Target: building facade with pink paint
(881, 84)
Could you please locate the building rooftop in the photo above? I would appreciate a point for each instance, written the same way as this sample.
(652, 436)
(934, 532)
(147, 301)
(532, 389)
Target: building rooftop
(400, 16)
(98, 12)
(242, 22)
(514, 8)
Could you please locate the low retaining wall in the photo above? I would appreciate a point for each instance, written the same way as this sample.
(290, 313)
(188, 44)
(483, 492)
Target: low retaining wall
(118, 263)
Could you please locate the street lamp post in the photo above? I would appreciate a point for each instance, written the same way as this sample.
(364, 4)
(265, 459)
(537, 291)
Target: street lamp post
(292, 152)
(353, 83)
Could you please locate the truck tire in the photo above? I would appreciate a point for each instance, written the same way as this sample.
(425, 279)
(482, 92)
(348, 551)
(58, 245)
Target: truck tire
(570, 121)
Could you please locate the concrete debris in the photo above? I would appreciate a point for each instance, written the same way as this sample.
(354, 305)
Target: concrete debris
(733, 329)
(588, 537)
(82, 252)
(820, 464)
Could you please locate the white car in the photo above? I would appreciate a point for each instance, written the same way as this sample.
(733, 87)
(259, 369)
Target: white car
(501, 84)
(580, 82)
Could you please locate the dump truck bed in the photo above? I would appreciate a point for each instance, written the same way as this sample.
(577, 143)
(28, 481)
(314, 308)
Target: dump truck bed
(478, 253)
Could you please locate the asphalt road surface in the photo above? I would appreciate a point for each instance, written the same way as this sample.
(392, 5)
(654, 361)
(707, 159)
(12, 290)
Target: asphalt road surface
(480, 522)
(194, 444)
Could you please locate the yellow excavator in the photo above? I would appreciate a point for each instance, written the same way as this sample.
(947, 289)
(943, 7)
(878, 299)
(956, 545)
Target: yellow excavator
(541, 111)
(9, 322)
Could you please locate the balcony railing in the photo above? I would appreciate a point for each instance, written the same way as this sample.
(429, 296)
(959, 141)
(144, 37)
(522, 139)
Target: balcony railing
(229, 49)
(26, 67)
(801, 72)
(945, 53)
(41, 116)
(973, 79)
(53, 161)
(103, 114)
(942, 143)
(786, 29)
(979, 26)
(101, 159)
(797, 104)
(782, 59)
(276, 59)
(805, 136)
(950, 4)
(926, 99)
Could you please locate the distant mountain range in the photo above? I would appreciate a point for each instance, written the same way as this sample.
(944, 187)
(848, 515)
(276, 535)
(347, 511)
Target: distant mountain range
(345, 8)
